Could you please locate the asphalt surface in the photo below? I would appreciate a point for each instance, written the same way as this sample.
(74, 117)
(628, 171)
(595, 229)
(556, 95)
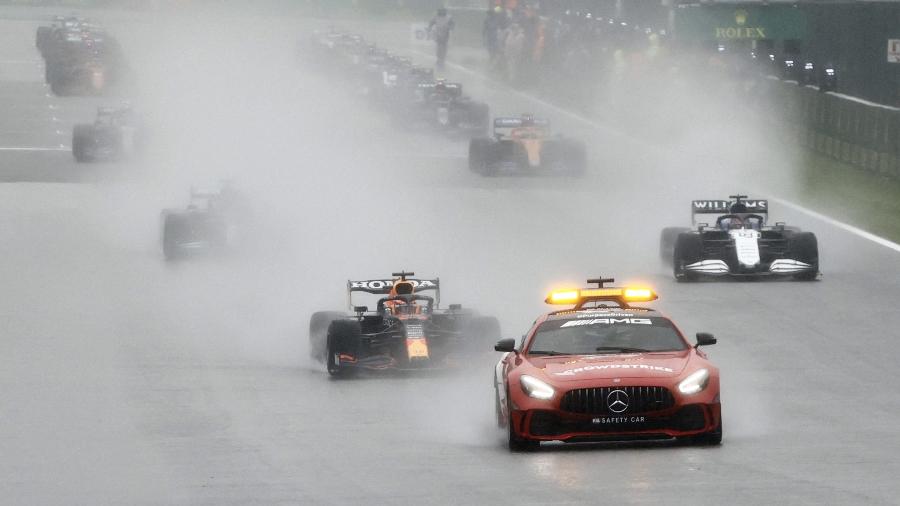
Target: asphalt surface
(124, 380)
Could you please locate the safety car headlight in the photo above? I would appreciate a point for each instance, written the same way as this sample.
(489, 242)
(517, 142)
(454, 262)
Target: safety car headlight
(694, 383)
(536, 388)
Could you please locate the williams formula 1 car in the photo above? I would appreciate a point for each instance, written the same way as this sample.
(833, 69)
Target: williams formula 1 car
(738, 243)
(525, 145)
(604, 370)
(110, 137)
(407, 329)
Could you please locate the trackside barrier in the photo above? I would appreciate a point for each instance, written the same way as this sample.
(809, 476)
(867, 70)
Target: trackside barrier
(858, 133)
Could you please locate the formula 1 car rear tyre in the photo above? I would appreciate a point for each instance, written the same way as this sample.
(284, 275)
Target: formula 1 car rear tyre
(804, 247)
(80, 139)
(40, 39)
(173, 227)
(480, 115)
(482, 331)
(342, 339)
(667, 239)
(479, 147)
(318, 332)
(687, 251)
(576, 158)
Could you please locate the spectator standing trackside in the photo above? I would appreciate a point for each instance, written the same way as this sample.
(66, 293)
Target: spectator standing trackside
(493, 33)
(440, 27)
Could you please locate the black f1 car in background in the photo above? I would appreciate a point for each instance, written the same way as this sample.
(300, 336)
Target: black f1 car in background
(112, 136)
(525, 145)
(46, 34)
(80, 58)
(206, 225)
(738, 243)
(407, 329)
(441, 106)
(407, 91)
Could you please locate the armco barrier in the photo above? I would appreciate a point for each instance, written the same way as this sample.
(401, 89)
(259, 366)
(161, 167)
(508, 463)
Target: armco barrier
(851, 131)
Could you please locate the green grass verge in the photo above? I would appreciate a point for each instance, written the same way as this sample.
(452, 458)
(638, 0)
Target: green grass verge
(859, 197)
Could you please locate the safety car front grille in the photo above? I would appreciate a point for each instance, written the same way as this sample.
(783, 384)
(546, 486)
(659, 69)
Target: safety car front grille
(596, 401)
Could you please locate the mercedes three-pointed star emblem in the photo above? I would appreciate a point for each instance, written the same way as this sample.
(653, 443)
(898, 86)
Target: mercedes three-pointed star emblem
(617, 401)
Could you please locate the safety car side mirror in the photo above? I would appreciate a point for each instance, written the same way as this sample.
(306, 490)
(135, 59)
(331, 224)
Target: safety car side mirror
(705, 339)
(506, 345)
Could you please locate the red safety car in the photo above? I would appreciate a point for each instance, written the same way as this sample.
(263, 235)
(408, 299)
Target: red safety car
(606, 370)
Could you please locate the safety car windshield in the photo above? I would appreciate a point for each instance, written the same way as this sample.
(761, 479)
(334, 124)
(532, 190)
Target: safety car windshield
(606, 334)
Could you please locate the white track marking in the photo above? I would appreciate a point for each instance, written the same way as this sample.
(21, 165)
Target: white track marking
(30, 148)
(586, 121)
(839, 224)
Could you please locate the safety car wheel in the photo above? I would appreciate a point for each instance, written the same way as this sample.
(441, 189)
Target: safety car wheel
(711, 438)
(516, 443)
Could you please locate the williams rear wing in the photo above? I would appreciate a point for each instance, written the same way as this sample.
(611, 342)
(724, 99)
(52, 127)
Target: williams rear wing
(383, 287)
(722, 207)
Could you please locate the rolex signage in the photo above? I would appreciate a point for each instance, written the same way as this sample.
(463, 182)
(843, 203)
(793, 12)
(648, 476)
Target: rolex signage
(723, 22)
(740, 30)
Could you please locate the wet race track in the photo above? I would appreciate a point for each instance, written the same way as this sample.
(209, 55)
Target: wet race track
(128, 380)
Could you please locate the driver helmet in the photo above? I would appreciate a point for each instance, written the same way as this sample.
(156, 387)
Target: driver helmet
(401, 287)
(733, 222)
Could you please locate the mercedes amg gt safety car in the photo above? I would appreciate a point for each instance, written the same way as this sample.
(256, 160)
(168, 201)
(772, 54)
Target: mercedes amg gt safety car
(740, 243)
(526, 145)
(206, 225)
(407, 330)
(112, 136)
(605, 370)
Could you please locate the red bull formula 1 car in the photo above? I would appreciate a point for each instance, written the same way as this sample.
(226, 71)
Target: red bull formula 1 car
(604, 370)
(407, 330)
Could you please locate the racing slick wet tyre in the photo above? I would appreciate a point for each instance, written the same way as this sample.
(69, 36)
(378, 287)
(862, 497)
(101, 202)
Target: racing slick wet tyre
(667, 239)
(481, 331)
(342, 339)
(80, 139)
(804, 247)
(318, 332)
(480, 115)
(687, 251)
(576, 158)
(173, 227)
(479, 158)
(40, 39)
